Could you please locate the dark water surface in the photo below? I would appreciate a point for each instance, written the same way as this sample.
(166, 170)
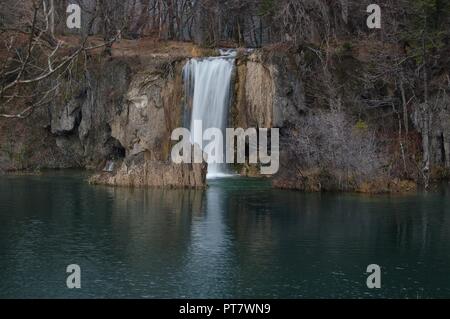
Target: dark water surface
(237, 239)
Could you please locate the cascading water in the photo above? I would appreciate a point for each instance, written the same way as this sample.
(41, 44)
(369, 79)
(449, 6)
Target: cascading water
(208, 89)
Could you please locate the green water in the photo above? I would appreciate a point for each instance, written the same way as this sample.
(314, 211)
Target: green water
(237, 239)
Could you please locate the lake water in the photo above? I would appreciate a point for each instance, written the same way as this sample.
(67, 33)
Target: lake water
(237, 239)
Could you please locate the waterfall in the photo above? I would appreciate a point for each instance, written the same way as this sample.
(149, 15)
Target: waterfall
(208, 94)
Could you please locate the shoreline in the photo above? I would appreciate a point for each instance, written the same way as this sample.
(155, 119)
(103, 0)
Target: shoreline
(88, 175)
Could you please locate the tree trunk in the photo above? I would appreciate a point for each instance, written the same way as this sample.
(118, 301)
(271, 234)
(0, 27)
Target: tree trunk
(426, 113)
(52, 18)
(142, 20)
(171, 26)
(405, 106)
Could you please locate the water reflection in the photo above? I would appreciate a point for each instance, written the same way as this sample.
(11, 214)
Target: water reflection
(237, 239)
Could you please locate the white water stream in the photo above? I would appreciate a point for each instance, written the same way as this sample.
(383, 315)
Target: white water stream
(208, 87)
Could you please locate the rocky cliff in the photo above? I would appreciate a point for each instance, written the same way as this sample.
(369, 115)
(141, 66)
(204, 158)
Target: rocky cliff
(340, 120)
(115, 115)
(339, 127)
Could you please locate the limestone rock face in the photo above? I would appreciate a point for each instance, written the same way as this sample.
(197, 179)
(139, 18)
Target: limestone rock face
(119, 108)
(269, 93)
(64, 117)
(151, 111)
(117, 113)
(143, 173)
(259, 91)
(122, 110)
(83, 109)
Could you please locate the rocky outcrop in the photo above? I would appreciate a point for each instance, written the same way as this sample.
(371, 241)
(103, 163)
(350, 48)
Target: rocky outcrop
(289, 88)
(117, 110)
(81, 115)
(151, 111)
(268, 92)
(141, 172)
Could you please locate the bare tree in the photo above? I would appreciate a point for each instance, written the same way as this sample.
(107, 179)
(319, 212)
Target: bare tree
(32, 57)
